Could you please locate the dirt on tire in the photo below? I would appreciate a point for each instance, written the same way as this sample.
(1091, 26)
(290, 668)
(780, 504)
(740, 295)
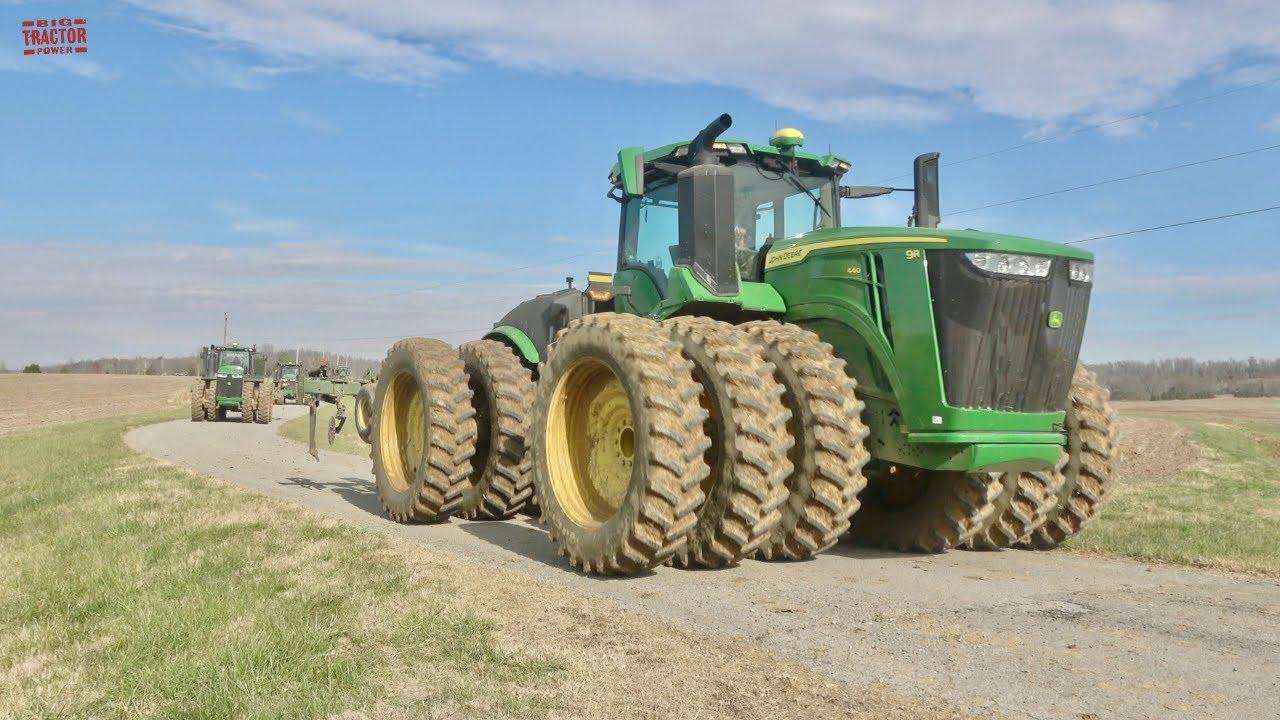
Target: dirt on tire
(502, 397)
(363, 413)
(914, 510)
(211, 410)
(249, 400)
(747, 425)
(1021, 509)
(197, 401)
(828, 454)
(1086, 463)
(265, 403)
(422, 460)
(655, 511)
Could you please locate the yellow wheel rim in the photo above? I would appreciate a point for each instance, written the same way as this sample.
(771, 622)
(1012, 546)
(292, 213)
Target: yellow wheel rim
(363, 412)
(402, 434)
(590, 443)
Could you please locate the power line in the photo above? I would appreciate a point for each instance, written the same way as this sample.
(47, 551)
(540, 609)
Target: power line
(1114, 180)
(1174, 225)
(1095, 126)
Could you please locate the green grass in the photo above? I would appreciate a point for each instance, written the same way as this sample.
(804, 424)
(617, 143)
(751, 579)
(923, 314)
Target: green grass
(347, 441)
(1223, 515)
(130, 588)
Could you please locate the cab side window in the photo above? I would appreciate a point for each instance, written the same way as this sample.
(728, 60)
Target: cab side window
(652, 232)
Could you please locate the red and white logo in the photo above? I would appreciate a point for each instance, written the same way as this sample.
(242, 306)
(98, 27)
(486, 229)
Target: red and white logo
(54, 36)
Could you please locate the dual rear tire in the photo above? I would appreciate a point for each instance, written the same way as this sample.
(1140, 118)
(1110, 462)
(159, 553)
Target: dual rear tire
(694, 442)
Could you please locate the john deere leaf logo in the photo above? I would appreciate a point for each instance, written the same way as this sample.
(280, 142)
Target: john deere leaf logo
(1055, 319)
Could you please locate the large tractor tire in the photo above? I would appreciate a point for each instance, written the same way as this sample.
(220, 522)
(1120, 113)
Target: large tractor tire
(747, 425)
(363, 413)
(502, 396)
(424, 431)
(1086, 464)
(618, 444)
(1022, 507)
(211, 401)
(197, 401)
(265, 403)
(248, 400)
(828, 455)
(914, 510)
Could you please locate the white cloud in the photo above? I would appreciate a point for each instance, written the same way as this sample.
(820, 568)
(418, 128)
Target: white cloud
(49, 64)
(215, 70)
(308, 120)
(272, 227)
(909, 61)
(57, 302)
(1272, 123)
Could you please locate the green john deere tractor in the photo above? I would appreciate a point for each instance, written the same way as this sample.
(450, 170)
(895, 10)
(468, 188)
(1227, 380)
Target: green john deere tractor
(231, 379)
(287, 379)
(756, 379)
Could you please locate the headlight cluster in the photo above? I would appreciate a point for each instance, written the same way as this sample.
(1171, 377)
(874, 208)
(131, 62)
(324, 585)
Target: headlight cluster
(1010, 264)
(1081, 271)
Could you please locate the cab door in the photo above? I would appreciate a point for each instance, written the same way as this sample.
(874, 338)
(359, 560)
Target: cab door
(648, 241)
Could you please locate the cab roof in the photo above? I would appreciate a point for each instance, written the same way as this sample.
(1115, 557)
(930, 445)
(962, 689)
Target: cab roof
(722, 147)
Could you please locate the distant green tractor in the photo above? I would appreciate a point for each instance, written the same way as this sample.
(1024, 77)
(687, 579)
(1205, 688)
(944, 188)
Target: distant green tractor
(288, 381)
(756, 379)
(231, 380)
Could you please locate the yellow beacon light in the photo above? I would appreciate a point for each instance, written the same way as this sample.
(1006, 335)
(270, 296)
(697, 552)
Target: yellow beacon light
(787, 139)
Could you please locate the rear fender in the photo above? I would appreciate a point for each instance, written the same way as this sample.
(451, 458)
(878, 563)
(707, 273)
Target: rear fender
(514, 338)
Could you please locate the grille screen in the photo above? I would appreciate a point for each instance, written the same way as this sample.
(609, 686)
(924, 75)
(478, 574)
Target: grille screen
(994, 340)
(230, 387)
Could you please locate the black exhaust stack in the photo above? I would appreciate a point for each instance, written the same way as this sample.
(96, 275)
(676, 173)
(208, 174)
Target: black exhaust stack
(705, 194)
(700, 152)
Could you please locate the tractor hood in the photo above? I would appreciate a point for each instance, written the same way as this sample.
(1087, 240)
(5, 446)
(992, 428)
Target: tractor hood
(797, 249)
(230, 371)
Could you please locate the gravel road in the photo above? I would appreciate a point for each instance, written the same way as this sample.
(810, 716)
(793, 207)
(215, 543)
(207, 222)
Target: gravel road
(1017, 634)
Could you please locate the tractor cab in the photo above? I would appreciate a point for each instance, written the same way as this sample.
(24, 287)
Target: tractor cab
(286, 372)
(696, 216)
(699, 218)
(234, 361)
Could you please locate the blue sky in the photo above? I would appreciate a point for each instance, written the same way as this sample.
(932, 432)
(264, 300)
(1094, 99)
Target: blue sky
(328, 175)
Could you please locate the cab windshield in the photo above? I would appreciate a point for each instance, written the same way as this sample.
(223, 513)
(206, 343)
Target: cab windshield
(768, 206)
(239, 358)
(289, 373)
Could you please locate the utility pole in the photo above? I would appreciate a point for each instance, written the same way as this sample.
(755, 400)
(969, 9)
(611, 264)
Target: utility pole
(224, 328)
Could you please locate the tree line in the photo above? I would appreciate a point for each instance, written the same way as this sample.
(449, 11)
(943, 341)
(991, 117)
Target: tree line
(190, 364)
(1188, 378)
(1166, 379)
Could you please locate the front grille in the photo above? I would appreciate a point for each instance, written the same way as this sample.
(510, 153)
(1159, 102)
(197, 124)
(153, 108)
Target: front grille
(230, 387)
(994, 340)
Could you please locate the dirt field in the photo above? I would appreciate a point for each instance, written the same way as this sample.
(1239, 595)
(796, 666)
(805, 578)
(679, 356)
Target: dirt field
(36, 400)
(1219, 408)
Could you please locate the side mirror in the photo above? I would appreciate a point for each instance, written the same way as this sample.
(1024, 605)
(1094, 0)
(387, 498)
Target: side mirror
(631, 171)
(927, 211)
(857, 192)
